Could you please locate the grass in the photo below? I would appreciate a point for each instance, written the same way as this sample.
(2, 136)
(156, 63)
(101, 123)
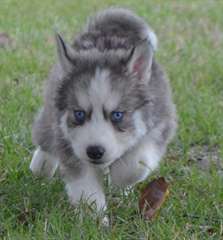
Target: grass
(191, 40)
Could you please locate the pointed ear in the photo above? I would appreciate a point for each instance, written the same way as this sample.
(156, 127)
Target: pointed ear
(141, 59)
(65, 54)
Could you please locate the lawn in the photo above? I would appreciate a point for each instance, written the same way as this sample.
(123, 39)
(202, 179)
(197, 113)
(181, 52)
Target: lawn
(191, 50)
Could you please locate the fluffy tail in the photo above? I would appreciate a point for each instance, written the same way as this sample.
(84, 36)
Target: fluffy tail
(122, 23)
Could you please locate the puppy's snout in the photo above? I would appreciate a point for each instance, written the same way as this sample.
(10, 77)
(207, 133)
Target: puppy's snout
(95, 152)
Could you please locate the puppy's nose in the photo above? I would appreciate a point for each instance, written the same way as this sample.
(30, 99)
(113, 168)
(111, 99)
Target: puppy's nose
(95, 152)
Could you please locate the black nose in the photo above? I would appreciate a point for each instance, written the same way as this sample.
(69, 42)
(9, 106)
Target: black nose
(95, 152)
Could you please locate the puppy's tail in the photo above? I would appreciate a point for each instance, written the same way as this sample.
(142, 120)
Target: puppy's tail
(122, 23)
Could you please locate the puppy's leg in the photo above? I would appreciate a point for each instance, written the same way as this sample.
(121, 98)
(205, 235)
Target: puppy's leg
(43, 164)
(87, 187)
(136, 165)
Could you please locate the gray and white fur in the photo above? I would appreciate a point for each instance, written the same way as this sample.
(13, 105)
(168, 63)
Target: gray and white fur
(110, 67)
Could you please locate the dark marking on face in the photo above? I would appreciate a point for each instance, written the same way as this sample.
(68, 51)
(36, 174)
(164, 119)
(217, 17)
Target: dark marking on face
(105, 114)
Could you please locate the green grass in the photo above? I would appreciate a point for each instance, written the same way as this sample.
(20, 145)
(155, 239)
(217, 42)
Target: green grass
(191, 49)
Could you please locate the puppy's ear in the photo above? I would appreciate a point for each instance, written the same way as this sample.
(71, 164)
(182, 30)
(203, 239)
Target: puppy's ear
(140, 60)
(65, 54)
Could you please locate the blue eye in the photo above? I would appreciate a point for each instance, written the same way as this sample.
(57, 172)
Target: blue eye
(117, 116)
(79, 116)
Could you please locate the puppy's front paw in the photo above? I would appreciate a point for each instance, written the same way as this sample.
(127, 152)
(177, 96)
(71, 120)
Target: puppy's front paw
(43, 164)
(105, 221)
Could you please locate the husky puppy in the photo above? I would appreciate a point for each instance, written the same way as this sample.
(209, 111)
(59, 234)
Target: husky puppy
(107, 106)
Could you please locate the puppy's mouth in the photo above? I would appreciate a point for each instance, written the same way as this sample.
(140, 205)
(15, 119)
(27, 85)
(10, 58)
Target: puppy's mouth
(97, 162)
(100, 164)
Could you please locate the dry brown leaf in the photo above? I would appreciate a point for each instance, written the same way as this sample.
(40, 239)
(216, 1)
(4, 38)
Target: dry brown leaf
(5, 40)
(152, 197)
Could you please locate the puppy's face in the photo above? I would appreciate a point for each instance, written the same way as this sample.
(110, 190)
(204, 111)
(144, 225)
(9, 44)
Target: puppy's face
(103, 117)
(101, 98)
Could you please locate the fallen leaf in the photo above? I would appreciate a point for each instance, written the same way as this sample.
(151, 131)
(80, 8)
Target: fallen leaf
(204, 156)
(152, 197)
(5, 40)
(26, 217)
